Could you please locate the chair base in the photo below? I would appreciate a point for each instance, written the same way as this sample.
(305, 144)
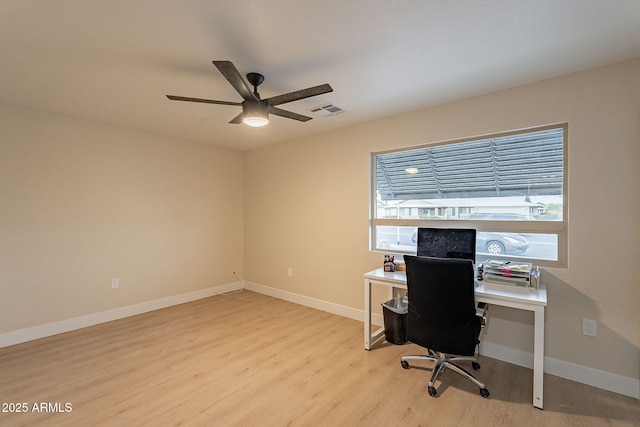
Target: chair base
(443, 361)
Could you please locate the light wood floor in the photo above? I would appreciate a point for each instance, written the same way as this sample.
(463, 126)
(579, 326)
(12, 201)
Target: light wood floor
(251, 360)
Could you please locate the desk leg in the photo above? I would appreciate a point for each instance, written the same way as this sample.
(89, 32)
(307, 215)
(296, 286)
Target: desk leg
(538, 357)
(367, 314)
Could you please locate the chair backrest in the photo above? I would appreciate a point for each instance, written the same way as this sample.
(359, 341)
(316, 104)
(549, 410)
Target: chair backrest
(442, 314)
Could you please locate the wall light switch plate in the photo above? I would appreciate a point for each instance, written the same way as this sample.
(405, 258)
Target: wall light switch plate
(115, 283)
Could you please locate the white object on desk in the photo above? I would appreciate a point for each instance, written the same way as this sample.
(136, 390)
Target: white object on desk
(533, 300)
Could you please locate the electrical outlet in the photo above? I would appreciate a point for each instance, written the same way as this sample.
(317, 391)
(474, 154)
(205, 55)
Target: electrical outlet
(290, 272)
(589, 327)
(115, 283)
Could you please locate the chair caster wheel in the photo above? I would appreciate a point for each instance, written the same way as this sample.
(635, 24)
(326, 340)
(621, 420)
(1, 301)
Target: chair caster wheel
(475, 366)
(404, 364)
(484, 392)
(432, 391)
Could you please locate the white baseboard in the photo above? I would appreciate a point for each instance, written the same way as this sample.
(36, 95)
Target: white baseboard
(593, 377)
(507, 354)
(570, 371)
(340, 310)
(585, 375)
(41, 331)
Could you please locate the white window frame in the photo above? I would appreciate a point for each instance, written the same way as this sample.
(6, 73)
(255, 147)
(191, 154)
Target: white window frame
(557, 228)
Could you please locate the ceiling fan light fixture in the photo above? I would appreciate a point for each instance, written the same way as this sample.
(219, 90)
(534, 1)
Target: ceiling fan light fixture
(255, 121)
(255, 113)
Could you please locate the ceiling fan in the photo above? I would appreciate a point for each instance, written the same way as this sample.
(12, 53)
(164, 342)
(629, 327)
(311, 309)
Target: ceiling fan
(255, 111)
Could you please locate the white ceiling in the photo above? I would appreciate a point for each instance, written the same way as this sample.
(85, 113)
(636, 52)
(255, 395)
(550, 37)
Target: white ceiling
(113, 61)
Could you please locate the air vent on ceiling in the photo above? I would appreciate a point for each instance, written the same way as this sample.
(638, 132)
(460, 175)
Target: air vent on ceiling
(327, 110)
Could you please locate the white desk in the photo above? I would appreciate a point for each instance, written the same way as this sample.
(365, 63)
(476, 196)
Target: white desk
(534, 300)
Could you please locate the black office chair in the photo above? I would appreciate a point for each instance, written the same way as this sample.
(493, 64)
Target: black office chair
(442, 315)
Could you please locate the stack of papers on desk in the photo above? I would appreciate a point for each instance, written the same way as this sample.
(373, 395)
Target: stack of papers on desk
(507, 272)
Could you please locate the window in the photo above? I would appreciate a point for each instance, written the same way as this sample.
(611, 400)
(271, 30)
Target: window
(510, 187)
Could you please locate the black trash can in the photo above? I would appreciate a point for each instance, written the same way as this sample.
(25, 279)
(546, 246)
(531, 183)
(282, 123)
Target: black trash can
(394, 313)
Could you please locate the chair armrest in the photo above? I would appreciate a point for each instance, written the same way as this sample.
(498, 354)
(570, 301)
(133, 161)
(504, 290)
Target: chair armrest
(481, 312)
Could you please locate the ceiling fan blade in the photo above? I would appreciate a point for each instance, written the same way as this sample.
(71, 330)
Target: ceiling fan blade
(237, 119)
(206, 101)
(231, 73)
(299, 94)
(288, 114)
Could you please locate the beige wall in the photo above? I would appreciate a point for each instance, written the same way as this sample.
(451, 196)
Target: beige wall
(307, 208)
(82, 203)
